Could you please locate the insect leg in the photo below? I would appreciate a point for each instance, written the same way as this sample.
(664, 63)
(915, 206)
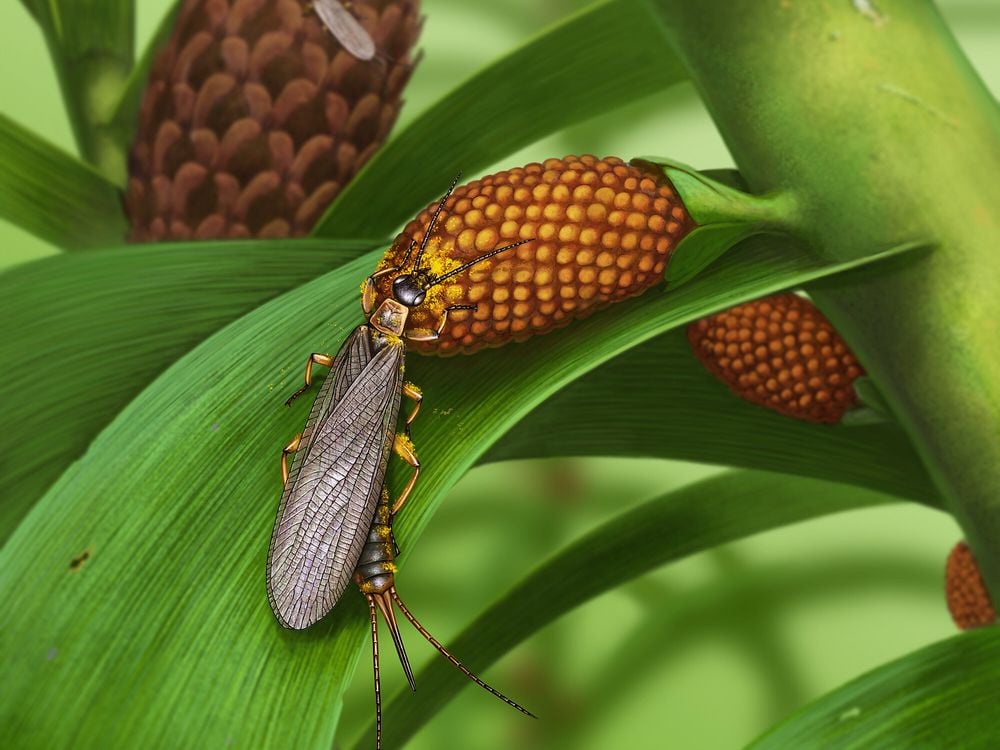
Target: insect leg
(290, 448)
(404, 449)
(412, 392)
(315, 358)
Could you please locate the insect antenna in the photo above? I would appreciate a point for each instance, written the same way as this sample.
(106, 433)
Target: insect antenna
(447, 655)
(434, 218)
(474, 261)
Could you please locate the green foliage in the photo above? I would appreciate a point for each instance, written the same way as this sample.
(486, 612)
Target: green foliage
(941, 696)
(154, 376)
(694, 518)
(53, 195)
(113, 320)
(197, 500)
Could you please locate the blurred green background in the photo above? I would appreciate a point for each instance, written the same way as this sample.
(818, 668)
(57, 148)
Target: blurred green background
(708, 652)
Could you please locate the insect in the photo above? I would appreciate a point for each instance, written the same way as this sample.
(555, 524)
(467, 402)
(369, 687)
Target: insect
(375, 576)
(324, 531)
(346, 28)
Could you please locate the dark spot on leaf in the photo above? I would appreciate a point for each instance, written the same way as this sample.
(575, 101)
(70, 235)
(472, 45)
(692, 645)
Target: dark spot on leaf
(77, 562)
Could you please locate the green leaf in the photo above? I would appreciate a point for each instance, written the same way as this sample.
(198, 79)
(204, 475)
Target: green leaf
(940, 696)
(123, 122)
(657, 400)
(607, 55)
(84, 333)
(701, 247)
(175, 499)
(686, 521)
(91, 43)
(53, 195)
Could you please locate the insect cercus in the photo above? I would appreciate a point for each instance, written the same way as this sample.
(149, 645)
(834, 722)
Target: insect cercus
(335, 521)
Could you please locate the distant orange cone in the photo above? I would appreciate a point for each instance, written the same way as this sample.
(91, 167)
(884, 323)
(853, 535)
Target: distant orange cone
(968, 600)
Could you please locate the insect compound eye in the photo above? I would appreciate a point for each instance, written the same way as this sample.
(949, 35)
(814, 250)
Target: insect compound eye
(407, 289)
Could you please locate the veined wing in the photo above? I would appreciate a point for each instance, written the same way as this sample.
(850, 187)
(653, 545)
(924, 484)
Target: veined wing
(346, 28)
(328, 504)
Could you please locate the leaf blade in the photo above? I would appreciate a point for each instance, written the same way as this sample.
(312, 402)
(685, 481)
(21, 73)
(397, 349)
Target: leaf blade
(160, 498)
(943, 695)
(689, 520)
(112, 320)
(54, 196)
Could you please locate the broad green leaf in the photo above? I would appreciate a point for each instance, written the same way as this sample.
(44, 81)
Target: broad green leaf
(944, 695)
(124, 120)
(175, 499)
(695, 518)
(658, 400)
(91, 43)
(82, 334)
(53, 195)
(607, 55)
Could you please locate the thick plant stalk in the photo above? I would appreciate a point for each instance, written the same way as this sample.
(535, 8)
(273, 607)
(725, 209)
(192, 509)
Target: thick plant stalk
(884, 134)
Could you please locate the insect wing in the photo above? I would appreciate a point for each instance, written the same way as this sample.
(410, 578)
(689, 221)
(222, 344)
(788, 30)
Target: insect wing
(345, 28)
(329, 502)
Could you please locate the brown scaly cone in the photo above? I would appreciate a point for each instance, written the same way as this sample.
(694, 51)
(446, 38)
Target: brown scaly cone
(968, 600)
(782, 353)
(255, 117)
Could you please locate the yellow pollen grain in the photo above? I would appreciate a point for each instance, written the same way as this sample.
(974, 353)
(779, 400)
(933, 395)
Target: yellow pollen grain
(501, 274)
(636, 220)
(522, 310)
(585, 257)
(567, 292)
(500, 294)
(528, 231)
(605, 195)
(589, 236)
(657, 223)
(623, 200)
(543, 276)
(630, 241)
(565, 276)
(617, 218)
(583, 193)
(588, 292)
(533, 212)
(610, 239)
(522, 195)
(545, 293)
(504, 193)
(513, 212)
(522, 293)
(560, 193)
(477, 292)
(453, 224)
(480, 201)
(486, 239)
(607, 277)
(544, 253)
(554, 212)
(466, 240)
(575, 212)
(500, 312)
(540, 192)
(461, 206)
(625, 260)
(547, 231)
(523, 274)
(569, 232)
(508, 229)
(587, 275)
(597, 213)
(493, 212)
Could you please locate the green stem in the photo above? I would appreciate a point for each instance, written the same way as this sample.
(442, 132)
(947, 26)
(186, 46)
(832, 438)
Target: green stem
(879, 125)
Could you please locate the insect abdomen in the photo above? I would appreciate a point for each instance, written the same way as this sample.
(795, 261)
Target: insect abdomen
(376, 568)
(601, 230)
